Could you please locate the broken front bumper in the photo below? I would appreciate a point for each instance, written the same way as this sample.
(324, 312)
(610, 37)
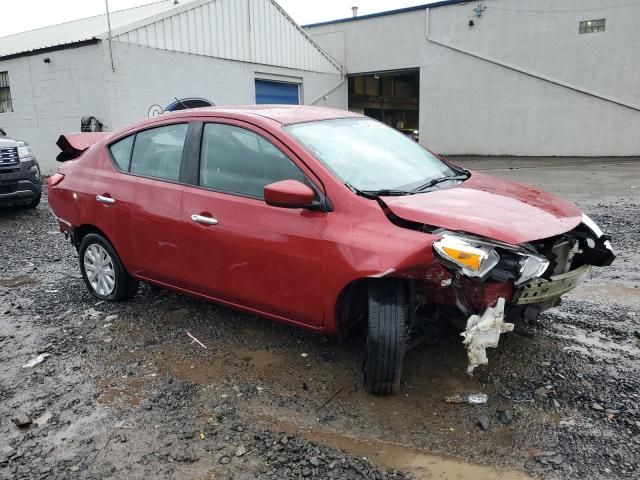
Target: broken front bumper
(539, 290)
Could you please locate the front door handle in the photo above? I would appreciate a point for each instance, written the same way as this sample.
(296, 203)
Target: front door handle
(204, 220)
(105, 200)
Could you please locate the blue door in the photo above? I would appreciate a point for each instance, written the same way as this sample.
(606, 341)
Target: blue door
(277, 92)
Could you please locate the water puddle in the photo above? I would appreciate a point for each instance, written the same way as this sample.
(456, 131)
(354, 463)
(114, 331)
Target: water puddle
(19, 281)
(610, 291)
(593, 343)
(130, 391)
(394, 456)
(258, 365)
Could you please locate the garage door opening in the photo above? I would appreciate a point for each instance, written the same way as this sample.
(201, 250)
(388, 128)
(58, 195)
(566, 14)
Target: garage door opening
(391, 97)
(269, 92)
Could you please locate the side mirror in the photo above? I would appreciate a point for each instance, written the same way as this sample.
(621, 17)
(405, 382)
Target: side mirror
(289, 194)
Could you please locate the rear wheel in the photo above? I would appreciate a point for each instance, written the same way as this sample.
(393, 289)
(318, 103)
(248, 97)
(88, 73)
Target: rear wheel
(103, 272)
(388, 315)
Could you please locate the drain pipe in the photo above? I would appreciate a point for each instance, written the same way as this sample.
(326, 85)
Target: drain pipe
(325, 95)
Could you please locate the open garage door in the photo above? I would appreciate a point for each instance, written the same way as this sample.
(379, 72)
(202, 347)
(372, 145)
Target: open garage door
(391, 97)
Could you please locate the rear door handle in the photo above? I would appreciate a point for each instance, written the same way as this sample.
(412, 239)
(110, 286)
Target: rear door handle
(105, 200)
(204, 220)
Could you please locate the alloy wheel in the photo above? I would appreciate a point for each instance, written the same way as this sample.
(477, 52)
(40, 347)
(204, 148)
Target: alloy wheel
(99, 269)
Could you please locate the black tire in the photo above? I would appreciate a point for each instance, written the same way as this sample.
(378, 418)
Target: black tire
(125, 286)
(388, 315)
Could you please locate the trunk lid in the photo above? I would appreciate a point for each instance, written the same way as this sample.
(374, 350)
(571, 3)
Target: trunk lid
(75, 144)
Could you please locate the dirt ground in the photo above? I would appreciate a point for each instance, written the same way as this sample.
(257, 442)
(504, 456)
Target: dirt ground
(124, 393)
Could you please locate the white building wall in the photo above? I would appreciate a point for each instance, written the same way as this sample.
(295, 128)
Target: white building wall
(51, 98)
(519, 82)
(148, 76)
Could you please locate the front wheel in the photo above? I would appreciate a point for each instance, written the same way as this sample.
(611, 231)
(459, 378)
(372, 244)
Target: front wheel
(103, 272)
(388, 315)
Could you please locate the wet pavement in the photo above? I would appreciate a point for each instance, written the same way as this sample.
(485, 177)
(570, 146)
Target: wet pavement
(126, 393)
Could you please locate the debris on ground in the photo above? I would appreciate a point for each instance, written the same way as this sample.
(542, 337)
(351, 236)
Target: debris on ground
(195, 340)
(484, 422)
(484, 332)
(475, 398)
(36, 360)
(21, 420)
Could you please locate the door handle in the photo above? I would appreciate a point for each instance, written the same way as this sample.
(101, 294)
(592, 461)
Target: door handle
(105, 200)
(204, 220)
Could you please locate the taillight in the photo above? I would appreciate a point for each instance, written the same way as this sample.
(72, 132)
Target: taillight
(55, 179)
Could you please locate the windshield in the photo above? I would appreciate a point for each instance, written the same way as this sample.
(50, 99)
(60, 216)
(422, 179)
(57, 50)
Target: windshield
(369, 155)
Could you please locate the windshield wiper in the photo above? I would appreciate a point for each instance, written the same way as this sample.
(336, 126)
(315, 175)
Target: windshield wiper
(436, 181)
(373, 194)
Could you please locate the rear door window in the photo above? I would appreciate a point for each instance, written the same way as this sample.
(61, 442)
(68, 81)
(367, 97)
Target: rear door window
(157, 152)
(121, 152)
(236, 160)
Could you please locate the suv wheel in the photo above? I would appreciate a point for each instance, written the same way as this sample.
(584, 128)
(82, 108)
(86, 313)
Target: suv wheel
(103, 272)
(387, 335)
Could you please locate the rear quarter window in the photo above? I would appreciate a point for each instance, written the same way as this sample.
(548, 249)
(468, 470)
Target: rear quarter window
(157, 152)
(121, 152)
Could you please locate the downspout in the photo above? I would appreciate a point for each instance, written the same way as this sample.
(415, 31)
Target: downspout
(106, 3)
(343, 78)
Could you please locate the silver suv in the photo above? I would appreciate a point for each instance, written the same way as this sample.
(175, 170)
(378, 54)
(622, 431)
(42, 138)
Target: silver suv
(20, 182)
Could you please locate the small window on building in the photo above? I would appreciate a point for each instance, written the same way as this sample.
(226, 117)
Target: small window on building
(121, 152)
(268, 92)
(5, 93)
(592, 26)
(158, 152)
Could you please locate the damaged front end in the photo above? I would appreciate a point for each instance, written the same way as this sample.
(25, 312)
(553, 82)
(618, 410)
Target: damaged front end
(492, 281)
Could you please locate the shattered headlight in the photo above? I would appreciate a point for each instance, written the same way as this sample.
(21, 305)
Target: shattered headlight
(473, 257)
(531, 266)
(476, 257)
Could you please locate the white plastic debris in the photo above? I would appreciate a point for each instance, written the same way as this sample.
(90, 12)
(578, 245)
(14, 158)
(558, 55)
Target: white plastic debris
(36, 360)
(470, 398)
(483, 332)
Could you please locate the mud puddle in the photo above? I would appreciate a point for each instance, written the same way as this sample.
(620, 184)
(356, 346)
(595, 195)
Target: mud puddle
(395, 456)
(19, 281)
(612, 291)
(595, 343)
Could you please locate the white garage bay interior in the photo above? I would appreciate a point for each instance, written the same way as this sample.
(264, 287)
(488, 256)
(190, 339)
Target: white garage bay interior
(488, 77)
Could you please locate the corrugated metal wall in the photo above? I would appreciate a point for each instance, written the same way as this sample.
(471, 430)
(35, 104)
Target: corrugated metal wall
(255, 31)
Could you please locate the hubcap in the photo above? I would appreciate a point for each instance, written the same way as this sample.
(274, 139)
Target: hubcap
(99, 269)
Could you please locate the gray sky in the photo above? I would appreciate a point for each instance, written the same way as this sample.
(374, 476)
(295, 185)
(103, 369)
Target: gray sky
(21, 15)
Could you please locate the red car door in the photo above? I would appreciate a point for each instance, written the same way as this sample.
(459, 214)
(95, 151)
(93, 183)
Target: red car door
(240, 250)
(156, 242)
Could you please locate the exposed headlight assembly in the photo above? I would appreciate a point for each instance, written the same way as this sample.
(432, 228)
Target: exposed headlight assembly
(531, 266)
(472, 257)
(476, 257)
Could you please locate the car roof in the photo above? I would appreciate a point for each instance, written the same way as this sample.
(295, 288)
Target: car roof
(283, 114)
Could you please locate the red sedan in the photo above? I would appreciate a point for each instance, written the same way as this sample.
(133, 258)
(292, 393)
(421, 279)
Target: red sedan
(319, 218)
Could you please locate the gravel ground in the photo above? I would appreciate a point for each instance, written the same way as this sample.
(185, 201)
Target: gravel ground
(124, 393)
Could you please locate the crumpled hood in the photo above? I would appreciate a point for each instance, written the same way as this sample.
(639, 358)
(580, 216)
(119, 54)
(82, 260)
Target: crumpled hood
(491, 207)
